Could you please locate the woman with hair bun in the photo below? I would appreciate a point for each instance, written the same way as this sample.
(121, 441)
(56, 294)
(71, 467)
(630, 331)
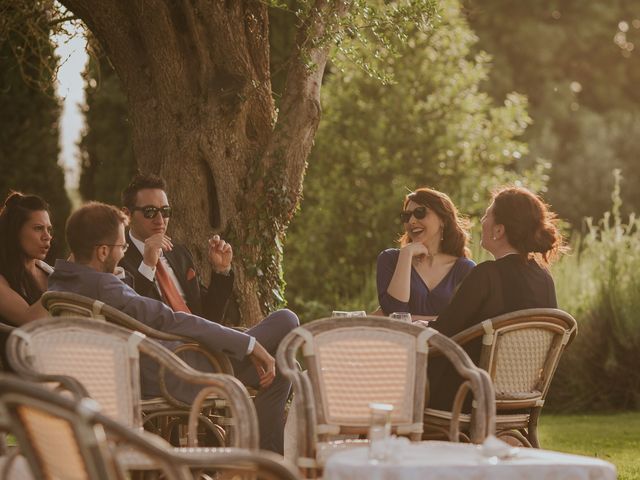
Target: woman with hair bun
(421, 276)
(521, 233)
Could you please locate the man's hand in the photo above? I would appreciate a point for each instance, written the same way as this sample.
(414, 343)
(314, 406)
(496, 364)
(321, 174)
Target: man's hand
(265, 365)
(153, 246)
(220, 254)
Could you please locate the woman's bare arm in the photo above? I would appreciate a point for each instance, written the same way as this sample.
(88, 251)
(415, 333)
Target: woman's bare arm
(14, 309)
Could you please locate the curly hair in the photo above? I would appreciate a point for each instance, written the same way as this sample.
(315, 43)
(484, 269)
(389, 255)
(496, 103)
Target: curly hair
(455, 230)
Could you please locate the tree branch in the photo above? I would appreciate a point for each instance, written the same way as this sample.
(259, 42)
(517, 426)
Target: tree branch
(60, 20)
(300, 107)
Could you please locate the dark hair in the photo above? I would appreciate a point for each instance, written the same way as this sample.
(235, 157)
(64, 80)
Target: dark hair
(141, 181)
(455, 230)
(93, 224)
(529, 224)
(16, 210)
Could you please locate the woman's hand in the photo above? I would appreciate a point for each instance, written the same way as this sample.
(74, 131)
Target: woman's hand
(416, 249)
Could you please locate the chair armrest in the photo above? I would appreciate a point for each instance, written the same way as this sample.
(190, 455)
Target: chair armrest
(6, 328)
(226, 386)
(64, 383)
(219, 362)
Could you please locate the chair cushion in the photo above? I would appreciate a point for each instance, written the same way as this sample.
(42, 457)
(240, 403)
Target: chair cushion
(533, 395)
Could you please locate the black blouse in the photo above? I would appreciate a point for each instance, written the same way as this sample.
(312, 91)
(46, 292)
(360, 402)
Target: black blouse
(4, 363)
(492, 288)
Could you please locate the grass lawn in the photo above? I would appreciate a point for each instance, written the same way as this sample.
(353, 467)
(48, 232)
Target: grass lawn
(614, 438)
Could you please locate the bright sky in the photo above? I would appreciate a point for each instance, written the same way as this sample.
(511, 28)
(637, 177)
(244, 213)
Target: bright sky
(73, 57)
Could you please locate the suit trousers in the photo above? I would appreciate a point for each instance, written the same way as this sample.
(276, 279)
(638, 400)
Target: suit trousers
(270, 402)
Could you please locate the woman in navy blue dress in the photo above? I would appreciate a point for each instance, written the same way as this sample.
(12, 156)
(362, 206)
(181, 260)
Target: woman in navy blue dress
(422, 275)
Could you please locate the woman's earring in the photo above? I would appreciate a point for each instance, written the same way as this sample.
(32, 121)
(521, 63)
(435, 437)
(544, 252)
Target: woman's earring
(493, 238)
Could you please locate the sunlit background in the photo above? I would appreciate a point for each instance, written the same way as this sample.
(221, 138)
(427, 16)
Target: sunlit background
(70, 88)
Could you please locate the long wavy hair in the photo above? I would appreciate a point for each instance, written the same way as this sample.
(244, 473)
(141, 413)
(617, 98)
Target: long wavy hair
(529, 224)
(15, 212)
(455, 228)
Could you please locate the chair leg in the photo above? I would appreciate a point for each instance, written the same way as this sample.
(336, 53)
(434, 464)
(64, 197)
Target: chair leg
(533, 427)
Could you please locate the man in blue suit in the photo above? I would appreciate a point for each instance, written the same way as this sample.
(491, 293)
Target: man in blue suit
(96, 235)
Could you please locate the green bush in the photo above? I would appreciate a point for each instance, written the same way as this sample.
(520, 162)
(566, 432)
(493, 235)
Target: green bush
(599, 284)
(432, 127)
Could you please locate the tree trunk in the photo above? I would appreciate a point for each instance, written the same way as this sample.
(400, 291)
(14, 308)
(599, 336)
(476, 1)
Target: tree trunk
(199, 89)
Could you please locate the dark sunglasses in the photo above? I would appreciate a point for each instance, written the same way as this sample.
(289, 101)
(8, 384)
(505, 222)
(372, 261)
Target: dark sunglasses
(151, 212)
(418, 212)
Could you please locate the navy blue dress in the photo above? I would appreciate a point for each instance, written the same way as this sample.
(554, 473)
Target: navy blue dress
(422, 301)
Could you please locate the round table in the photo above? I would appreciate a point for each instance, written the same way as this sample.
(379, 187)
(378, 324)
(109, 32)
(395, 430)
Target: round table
(457, 461)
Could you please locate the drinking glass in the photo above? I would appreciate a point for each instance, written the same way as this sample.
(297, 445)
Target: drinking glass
(343, 313)
(379, 430)
(401, 316)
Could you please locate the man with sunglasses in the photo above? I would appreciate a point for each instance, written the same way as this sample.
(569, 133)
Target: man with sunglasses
(165, 271)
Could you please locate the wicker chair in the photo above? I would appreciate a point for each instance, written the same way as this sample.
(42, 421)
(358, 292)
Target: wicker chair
(521, 351)
(71, 304)
(354, 361)
(161, 415)
(101, 360)
(66, 438)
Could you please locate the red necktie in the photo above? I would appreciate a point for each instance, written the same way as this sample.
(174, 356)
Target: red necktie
(169, 290)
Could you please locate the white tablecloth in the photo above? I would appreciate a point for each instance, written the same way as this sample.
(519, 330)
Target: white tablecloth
(456, 461)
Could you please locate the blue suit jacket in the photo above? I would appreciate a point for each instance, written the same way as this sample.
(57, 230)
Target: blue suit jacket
(84, 280)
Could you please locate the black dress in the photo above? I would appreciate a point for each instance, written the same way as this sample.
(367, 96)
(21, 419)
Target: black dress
(492, 288)
(4, 365)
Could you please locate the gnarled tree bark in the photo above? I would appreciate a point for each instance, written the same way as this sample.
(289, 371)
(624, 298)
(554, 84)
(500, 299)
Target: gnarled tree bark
(203, 116)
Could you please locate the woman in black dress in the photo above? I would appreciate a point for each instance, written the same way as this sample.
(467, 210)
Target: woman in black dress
(25, 239)
(520, 231)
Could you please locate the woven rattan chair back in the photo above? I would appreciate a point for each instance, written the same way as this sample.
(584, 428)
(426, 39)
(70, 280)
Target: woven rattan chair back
(519, 361)
(61, 304)
(68, 439)
(520, 351)
(355, 366)
(104, 361)
(55, 440)
(352, 362)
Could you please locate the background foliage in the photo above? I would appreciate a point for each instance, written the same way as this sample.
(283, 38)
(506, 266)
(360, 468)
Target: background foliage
(432, 126)
(578, 63)
(29, 112)
(106, 153)
(599, 285)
